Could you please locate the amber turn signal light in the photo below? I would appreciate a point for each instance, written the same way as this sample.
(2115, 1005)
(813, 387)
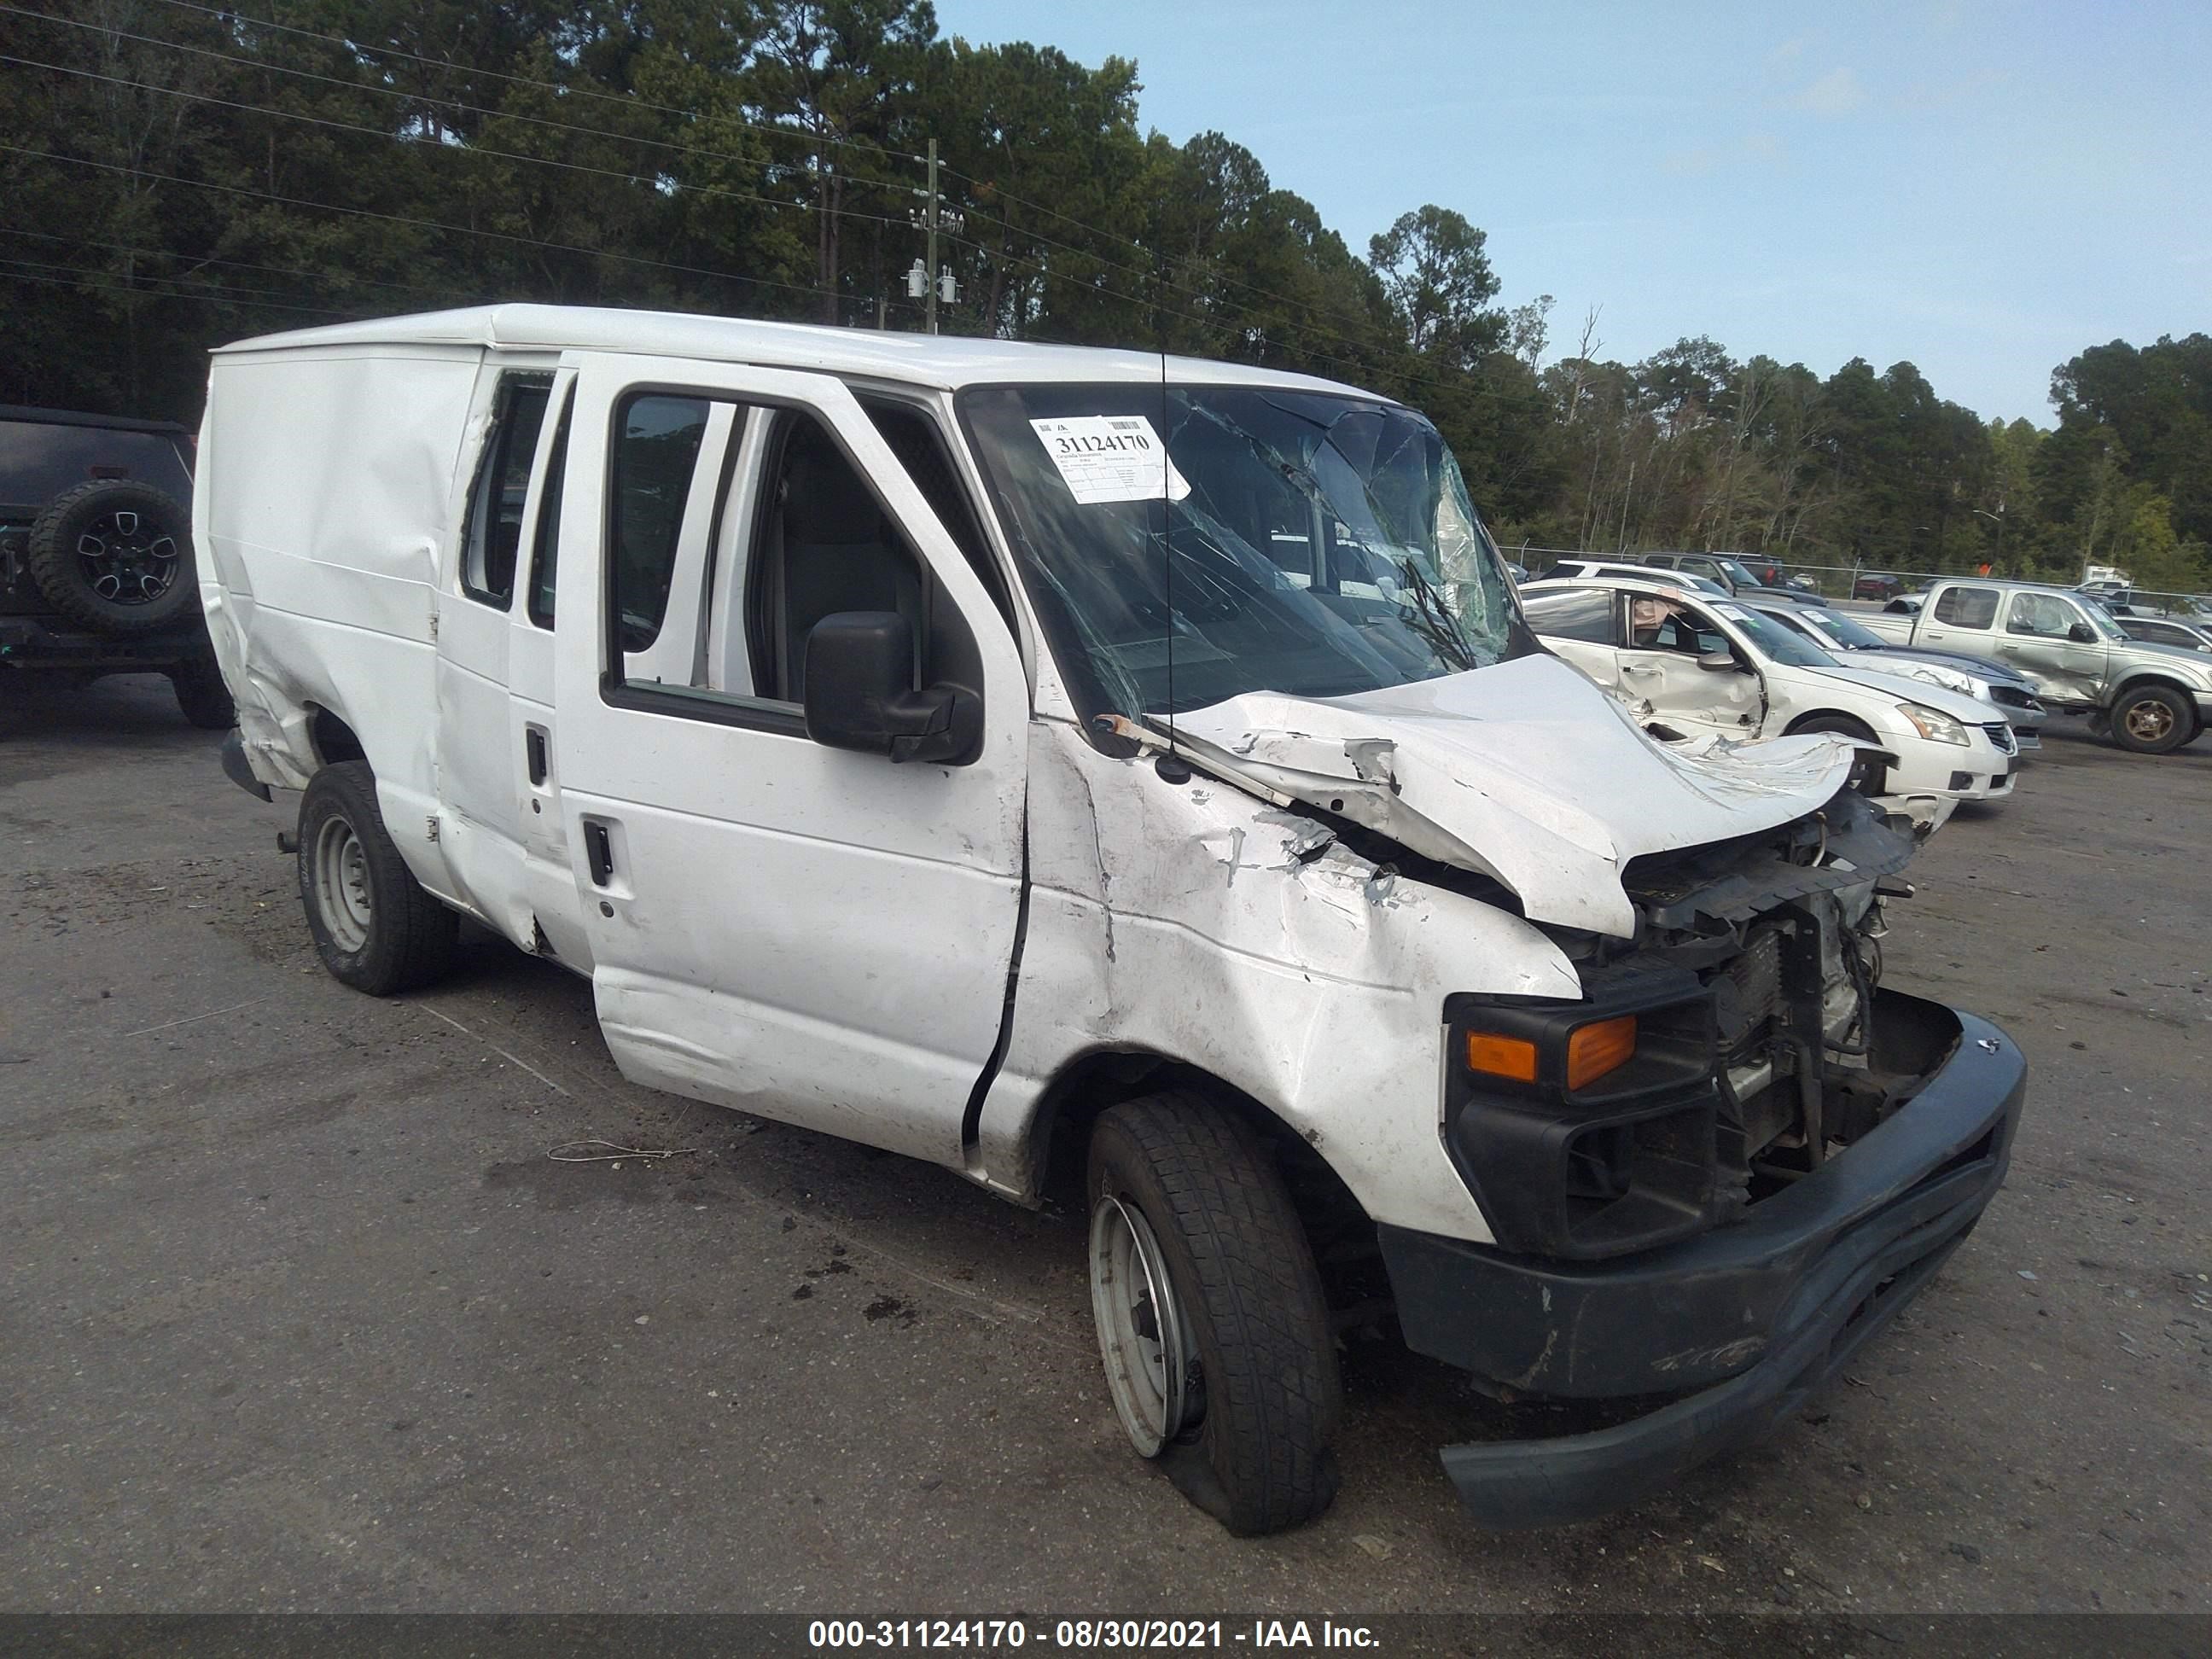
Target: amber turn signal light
(1595, 1049)
(1501, 1056)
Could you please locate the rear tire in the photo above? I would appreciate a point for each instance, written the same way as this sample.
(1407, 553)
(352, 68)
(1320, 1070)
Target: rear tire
(115, 556)
(1195, 1240)
(202, 695)
(375, 926)
(2153, 720)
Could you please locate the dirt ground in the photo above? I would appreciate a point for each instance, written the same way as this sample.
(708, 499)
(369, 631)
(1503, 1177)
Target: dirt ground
(295, 1313)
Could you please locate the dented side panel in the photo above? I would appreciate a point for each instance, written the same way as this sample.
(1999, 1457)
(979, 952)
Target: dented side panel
(1194, 922)
(319, 560)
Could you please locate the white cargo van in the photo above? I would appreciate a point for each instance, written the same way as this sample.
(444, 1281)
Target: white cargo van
(1047, 760)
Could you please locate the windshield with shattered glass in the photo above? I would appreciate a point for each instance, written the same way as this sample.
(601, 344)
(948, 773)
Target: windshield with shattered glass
(1293, 541)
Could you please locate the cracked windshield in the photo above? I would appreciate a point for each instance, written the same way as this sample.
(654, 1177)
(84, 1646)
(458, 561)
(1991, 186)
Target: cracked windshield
(1290, 542)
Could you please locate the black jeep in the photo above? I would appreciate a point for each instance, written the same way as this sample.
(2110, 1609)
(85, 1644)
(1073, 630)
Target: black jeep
(96, 572)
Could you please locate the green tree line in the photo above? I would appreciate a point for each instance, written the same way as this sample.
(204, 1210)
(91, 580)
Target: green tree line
(177, 174)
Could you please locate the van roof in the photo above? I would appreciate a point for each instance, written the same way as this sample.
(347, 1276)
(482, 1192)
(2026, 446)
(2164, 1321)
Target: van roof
(942, 361)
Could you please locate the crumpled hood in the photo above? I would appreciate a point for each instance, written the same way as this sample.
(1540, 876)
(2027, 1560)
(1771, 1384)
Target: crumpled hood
(1960, 706)
(1524, 771)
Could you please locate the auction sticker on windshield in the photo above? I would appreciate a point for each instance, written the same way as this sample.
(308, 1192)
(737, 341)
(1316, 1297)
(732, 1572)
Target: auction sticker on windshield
(1111, 458)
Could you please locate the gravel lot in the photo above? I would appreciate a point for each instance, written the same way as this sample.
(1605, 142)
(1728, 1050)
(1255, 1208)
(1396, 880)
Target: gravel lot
(296, 1313)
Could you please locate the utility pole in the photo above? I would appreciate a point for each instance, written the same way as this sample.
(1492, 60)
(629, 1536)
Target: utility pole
(933, 236)
(929, 281)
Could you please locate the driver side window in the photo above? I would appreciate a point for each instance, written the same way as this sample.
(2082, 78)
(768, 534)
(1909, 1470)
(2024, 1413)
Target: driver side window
(2040, 615)
(1658, 625)
(733, 529)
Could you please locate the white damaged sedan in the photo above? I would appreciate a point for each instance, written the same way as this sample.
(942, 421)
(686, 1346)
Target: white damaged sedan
(1691, 666)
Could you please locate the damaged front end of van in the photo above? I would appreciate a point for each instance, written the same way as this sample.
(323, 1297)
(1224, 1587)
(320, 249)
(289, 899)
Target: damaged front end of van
(1711, 1153)
(1720, 1169)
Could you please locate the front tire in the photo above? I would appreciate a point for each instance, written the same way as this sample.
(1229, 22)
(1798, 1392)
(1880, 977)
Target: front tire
(2153, 720)
(375, 926)
(1211, 1318)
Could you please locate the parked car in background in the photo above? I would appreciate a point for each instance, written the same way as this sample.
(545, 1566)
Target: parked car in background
(1877, 585)
(2149, 698)
(2167, 630)
(1567, 569)
(1726, 569)
(1804, 581)
(1974, 676)
(96, 572)
(2135, 602)
(1691, 666)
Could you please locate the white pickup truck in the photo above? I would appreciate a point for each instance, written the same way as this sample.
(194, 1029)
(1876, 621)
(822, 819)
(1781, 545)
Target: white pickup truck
(2149, 698)
(1062, 765)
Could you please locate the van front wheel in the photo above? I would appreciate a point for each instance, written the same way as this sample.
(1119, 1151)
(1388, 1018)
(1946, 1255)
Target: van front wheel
(375, 926)
(1211, 1322)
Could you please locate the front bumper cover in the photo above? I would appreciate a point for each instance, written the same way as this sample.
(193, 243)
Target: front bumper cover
(1753, 1317)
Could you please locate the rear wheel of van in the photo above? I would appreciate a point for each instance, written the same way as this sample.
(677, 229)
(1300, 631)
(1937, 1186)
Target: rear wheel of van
(1211, 1322)
(202, 695)
(376, 927)
(2153, 720)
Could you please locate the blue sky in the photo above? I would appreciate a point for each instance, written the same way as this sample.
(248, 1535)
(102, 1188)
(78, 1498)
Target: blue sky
(1982, 189)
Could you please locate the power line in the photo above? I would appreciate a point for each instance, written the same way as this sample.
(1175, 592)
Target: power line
(262, 64)
(199, 259)
(166, 294)
(130, 277)
(1131, 242)
(212, 290)
(813, 291)
(1309, 309)
(404, 218)
(431, 144)
(1466, 387)
(357, 47)
(230, 15)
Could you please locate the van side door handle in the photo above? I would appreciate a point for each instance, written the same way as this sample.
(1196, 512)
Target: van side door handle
(598, 853)
(533, 753)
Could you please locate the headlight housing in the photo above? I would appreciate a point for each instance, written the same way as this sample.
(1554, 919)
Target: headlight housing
(1933, 724)
(1586, 1129)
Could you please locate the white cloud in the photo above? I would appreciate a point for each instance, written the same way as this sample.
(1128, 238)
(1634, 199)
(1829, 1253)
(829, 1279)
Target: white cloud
(1836, 93)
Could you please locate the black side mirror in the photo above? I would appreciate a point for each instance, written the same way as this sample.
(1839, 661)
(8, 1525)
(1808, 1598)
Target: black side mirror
(2082, 634)
(860, 694)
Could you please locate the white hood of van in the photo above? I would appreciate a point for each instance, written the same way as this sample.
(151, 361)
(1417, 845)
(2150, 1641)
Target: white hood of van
(1524, 771)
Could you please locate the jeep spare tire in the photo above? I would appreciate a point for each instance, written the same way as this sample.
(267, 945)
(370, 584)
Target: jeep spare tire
(116, 556)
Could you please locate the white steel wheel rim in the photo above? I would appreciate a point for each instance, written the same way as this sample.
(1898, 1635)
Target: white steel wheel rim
(1142, 1336)
(341, 875)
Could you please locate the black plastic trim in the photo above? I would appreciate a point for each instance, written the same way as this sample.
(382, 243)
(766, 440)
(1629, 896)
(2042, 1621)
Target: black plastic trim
(32, 642)
(1743, 1322)
(236, 768)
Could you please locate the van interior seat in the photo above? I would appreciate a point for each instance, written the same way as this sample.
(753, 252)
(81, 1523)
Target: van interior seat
(837, 553)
